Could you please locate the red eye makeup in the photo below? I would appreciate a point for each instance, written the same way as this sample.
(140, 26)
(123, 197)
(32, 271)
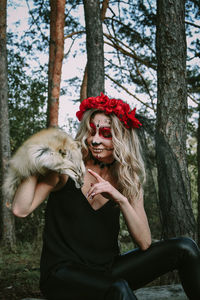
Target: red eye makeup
(104, 132)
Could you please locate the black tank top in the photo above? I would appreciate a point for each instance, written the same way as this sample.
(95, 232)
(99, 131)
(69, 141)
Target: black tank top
(75, 233)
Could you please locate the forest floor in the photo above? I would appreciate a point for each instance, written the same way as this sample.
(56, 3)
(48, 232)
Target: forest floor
(19, 273)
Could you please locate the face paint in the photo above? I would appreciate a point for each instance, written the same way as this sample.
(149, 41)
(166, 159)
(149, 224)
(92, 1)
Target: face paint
(99, 138)
(104, 131)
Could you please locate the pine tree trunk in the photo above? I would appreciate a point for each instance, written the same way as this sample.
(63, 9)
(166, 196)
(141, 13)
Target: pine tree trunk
(173, 179)
(7, 219)
(198, 179)
(56, 54)
(94, 44)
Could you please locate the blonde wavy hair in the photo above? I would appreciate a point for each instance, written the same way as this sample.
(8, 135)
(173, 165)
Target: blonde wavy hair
(129, 170)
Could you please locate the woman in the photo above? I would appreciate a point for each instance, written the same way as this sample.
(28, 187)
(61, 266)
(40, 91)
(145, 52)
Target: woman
(80, 256)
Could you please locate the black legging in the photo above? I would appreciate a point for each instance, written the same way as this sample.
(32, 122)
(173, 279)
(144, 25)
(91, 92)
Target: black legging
(129, 272)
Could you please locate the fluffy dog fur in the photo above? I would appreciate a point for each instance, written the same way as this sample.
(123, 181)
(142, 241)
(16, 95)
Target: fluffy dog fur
(49, 149)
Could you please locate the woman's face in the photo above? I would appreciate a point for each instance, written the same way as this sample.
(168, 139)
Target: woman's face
(100, 138)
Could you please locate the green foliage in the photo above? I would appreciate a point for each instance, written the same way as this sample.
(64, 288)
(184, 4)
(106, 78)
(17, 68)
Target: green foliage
(27, 102)
(27, 99)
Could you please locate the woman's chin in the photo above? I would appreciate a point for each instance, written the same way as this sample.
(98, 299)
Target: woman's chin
(97, 156)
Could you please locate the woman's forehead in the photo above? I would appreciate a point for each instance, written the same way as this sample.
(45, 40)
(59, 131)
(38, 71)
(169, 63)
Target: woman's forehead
(101, 119)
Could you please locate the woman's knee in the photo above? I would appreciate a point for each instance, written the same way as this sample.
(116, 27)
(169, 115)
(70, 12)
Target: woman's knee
(187, 246)
(120, 286)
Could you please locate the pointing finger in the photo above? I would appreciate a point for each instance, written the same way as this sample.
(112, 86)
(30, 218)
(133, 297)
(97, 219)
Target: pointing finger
(96, 176)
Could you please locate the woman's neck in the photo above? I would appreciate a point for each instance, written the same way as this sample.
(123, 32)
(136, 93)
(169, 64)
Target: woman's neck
(102, 164)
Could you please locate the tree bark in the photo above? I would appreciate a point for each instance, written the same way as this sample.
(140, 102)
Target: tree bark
(7, 219)
(146, 136)
(198, 179)
(56, 54)
(173, 179)
(94, 45)
(104, 8)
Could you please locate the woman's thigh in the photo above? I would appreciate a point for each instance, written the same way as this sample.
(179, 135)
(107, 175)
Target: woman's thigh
(73, 283)
(141, 267)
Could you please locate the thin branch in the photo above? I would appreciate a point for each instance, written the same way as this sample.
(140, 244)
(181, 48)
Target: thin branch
(111, 38)
(191, 58)
(113, 29)
(117, 47)
(136, 32)
(143, 80)
(74, 33)
(144, 83)
(193, 99)
(140, 75)
(127, 91)
(72, 43)
(116, 66)
(35, 22)
(69, 10)
(132, 55)
(149, 4)
(192, 24)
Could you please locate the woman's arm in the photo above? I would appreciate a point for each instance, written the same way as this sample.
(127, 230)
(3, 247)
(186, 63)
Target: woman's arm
(136, 221)
(33, 191)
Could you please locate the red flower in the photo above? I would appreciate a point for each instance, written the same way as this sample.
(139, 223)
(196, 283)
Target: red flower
(118, 107)
(79, 115)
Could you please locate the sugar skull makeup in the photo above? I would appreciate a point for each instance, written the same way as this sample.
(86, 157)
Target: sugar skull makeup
(99, 138)
(104, 131)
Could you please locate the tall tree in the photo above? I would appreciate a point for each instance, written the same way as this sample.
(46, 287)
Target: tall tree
(83, 91)
(8, 232)
(94, 45)
(56, 53)
(198, 177)
(173, 179)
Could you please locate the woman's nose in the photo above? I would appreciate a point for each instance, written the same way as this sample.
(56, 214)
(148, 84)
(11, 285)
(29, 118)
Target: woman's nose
(95, 144)
(96, 139)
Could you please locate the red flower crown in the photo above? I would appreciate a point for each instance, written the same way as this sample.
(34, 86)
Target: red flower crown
(108, 106)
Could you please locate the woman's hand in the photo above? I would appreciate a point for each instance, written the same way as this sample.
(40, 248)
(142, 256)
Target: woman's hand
(54, 180)
(134, 214)
(104, 188)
